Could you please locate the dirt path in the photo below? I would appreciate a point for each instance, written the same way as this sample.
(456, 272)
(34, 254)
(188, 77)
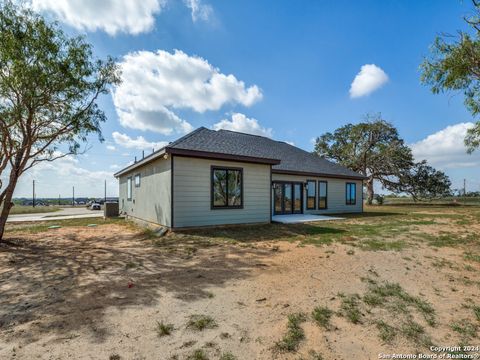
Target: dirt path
(93, 293)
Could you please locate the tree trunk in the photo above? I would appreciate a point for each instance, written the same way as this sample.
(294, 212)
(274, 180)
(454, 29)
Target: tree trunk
(370, 192)
(6, 206)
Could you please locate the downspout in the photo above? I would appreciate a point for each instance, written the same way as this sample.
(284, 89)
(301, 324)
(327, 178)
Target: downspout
(271, 190)
(172, 224)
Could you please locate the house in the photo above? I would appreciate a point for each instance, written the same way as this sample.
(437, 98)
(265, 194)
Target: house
(210, 177)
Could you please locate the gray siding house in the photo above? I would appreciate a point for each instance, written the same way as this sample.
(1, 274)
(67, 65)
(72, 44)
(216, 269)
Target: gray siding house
(224, 177)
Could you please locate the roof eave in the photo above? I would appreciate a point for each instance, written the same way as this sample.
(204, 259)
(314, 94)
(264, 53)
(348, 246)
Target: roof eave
(142, 162)
(304, 173)
(196, 154)
(221, 156)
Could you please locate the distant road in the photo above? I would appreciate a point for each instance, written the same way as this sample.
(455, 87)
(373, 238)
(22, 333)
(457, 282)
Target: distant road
(62, 214)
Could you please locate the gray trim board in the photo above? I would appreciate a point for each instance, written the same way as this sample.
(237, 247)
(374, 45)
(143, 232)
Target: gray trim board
(289, 172)
(172, 185)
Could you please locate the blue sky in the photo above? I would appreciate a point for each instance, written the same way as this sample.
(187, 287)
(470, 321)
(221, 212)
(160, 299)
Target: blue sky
(293, 65)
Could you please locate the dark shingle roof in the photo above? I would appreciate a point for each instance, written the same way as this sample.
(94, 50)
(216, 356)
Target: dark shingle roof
(292, 159)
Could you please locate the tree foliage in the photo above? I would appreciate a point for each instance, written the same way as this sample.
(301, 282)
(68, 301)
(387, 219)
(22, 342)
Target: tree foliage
(374, 149)
(454, 65)
(425, 182)
(49, 87)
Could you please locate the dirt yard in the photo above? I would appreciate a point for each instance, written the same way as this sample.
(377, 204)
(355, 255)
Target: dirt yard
(394, 280)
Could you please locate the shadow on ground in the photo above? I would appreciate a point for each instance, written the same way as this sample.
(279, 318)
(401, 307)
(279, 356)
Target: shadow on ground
(63, 281)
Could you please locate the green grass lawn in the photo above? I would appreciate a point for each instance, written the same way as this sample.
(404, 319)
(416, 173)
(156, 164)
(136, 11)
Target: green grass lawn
(378, 228)
(453, 201)
(20, 209)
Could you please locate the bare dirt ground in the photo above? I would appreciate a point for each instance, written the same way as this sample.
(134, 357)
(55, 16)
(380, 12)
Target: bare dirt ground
(101, 292)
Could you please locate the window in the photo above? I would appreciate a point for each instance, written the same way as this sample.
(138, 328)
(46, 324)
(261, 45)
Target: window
(137, 180)
(311, 194)
(322, 194)
(227, 188)
(351, 194)
(129, 188)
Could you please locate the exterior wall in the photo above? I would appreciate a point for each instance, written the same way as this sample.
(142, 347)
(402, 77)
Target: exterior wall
(336, 197)
(192, 194)
(151, 201)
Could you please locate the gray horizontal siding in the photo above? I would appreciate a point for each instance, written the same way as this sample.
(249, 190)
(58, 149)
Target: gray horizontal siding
(192, 194)
(335, 193)
(152, 200)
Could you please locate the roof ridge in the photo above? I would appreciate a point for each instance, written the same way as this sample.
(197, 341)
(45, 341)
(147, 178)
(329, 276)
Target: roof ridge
(186, 136)
(243, 133)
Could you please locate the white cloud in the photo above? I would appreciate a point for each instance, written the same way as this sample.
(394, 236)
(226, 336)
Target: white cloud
(446, 149)
(370, 78)
(111, 16)
(115, 167)
(241, 123)
(58, 177)
(155, 84)
(139, 143)
(199, 10)
(111, 147)
(290, 143)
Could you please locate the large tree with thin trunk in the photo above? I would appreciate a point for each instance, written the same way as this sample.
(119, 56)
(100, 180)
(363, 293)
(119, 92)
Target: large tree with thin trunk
(454, 65)
(374, 149)
(49, 87)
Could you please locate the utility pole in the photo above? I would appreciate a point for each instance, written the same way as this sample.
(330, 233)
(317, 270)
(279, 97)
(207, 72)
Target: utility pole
(465, 191)
(105, 196)
(73, 196)
(58, 199)
(33, 193)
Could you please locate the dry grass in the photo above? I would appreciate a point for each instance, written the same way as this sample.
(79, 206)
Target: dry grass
(99, 291)
(21, 209)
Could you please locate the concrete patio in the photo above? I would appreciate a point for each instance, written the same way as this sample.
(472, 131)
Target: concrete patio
(301, 218)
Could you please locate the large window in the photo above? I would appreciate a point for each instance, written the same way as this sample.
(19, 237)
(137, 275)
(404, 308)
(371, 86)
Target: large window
(129, 188)
(227, 188)
(322, 194)
(351, 194)
(137, 180)
(311, 194)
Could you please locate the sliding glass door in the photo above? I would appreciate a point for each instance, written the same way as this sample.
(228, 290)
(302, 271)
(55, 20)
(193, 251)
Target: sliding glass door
(288, 198)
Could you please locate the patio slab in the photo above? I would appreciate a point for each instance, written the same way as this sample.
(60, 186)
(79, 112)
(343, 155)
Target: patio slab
(301, 218)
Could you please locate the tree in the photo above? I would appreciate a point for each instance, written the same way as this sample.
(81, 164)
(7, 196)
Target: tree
(372, 148)
(49, 87)
(425, 182)
(454, 65)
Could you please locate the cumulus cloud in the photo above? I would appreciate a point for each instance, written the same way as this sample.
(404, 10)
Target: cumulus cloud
(199, 10)
(111, 16)
(111, 147)
(241, 123)
(156, 84)
(370, 78)
(139, 143)
(446, 149)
